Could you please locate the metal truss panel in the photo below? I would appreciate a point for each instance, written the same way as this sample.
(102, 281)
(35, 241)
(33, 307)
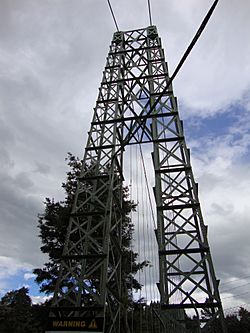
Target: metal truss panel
(135, 76)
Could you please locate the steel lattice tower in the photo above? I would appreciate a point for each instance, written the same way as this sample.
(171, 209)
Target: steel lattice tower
(134, 77)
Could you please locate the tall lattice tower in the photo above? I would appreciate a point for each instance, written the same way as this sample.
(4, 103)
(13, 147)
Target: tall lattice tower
(134, 108)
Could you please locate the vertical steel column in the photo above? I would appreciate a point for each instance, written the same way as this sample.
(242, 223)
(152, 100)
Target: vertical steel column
(90, 284)
(90, 279)
(187, 278)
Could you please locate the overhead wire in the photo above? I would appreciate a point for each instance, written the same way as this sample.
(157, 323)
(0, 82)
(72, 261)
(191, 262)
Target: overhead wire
(180, 64)
(242, 278)
(223, 298)
(113, 15)
(237, 306)
(131, 241)
(150, 233)
(145, 224)
(143, 218)
(137, 177)
(147, 221)
(149, 12)
(147, 185)
(186, 54)
(242, 285)
(115, 21)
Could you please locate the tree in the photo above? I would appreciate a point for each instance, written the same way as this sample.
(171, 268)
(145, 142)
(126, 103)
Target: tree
(53, 222)
(17, 298)
(244, 320)
(18, 315)
(14, 311)
(233, 324)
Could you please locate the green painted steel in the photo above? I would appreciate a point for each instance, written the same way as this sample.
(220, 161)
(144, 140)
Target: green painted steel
(125, 113)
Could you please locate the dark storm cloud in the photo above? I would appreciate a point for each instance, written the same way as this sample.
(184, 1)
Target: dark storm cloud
(42, 168)
(18, 219)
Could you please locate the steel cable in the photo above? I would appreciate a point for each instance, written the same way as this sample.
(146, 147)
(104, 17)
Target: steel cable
(149, 12)
(180, 64)
(186, 54)
(113, 15)
(242, 278)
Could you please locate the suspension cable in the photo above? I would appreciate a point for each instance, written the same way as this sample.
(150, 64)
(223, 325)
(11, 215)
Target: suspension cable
(184, 57)
(242, 285)
(186, 54)
(147, 185)
(242, 278)
(190, 47)
(113, 14)
(149, 12)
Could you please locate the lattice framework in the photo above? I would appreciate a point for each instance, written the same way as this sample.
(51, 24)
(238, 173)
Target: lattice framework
(135, 75)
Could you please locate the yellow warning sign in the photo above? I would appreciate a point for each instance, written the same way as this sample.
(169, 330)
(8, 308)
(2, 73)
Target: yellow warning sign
(87, 324)
(93, 324)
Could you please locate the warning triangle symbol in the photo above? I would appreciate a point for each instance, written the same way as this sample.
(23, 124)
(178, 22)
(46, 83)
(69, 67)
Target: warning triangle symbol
(93, 324)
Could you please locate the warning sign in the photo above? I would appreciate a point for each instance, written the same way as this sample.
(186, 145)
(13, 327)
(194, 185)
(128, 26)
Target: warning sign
(70, 324)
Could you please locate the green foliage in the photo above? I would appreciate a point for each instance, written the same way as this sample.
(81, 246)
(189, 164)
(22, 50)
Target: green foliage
(233, 324)
(53, 228)
(17, 298)
(236, 323)
(244, 316)
(18, 315)
(53, 224)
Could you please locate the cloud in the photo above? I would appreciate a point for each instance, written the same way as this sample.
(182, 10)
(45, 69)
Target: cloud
(9, 268)
(42, 168)
(28, 276)
(221, 166)
(19, 207)
(39, 299)
(219, 62)
(52, 55)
